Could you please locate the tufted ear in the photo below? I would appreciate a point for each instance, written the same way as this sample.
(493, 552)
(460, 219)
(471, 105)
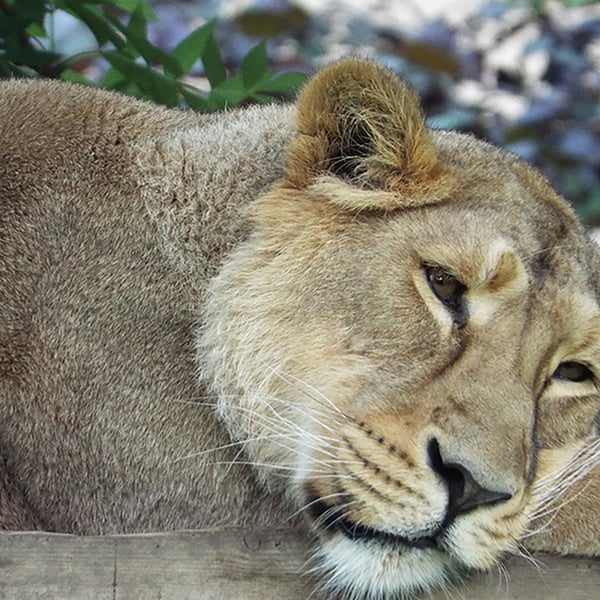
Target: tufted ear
(358, 122)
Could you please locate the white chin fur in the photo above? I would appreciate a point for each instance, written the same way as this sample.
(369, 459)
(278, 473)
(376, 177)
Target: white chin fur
(369, 570)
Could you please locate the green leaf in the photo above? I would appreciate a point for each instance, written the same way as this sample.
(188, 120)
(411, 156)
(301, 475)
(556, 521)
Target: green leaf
(31, 57)
(5, 69)
(36, 30)
(135, 5)
(73, 76)
(130, 88)
(199, 103)
(34, 10)
(213, 63)
(150, 53)
(156, 86)
(112, 78)
(10, 25)
(261, 98)
(229, 93)
(128, 6)
(137, 23)
(191, 48)
(283, 83)
(254, 67)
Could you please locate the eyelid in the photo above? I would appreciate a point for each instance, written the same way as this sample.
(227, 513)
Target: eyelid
(457, 308)
(588, 374)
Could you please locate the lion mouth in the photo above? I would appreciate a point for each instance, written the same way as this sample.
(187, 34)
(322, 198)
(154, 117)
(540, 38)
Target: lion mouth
(330, 517)
(358, 532)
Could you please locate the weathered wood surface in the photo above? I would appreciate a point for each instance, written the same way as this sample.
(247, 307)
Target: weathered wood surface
(229, 565)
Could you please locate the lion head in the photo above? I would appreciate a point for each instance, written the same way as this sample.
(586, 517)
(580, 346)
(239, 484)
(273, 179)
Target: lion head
(408, 343)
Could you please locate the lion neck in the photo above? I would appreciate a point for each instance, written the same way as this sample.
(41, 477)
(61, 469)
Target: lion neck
(196, 182)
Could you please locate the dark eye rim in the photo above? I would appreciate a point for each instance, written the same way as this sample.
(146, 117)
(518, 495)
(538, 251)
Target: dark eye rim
(586, 373)
(455, 303)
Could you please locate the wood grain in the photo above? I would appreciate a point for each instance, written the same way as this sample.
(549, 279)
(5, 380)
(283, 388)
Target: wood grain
(230, 565)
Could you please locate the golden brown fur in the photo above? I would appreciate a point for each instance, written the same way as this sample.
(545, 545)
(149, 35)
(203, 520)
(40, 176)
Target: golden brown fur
(236, 318)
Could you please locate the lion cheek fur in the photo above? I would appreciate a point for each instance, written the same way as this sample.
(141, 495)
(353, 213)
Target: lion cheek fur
(289, 368)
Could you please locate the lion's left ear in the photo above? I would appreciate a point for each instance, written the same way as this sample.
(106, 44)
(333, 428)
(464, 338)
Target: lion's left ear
(358, 122)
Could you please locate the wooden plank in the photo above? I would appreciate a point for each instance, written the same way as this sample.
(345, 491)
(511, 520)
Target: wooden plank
(220, 565)
(230, 564)
(36, 566)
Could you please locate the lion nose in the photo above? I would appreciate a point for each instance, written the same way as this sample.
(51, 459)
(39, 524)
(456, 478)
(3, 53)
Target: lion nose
(464, 493)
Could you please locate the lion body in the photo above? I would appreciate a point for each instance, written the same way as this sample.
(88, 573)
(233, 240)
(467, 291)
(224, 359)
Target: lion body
(99, 281)
(218, 320)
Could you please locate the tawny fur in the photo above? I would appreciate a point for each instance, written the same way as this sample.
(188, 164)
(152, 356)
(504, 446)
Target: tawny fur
(220, 320)
(114, 214)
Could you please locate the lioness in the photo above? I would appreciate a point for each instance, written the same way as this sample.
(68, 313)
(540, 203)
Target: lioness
(323, 312)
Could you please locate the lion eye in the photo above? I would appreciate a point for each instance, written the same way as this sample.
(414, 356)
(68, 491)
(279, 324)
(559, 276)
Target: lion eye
(444, 285)
(449, 291)
(573, 371)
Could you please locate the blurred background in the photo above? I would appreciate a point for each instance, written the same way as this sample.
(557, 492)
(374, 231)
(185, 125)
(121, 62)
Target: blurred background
(524, 75)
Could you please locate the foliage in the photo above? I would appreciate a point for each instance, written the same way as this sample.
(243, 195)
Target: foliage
(560, 130)
(137, 67)
(556, 126)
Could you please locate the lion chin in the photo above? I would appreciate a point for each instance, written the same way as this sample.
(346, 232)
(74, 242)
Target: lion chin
(372, 569)
(354, 562)
(436, 550)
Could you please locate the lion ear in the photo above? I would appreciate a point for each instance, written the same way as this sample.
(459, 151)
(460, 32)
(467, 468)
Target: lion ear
(358, 122)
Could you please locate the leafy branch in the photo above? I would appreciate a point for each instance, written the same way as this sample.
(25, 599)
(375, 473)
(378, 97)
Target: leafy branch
(136, 66)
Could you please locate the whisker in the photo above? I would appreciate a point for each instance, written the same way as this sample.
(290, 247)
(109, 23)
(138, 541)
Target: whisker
(311, 388)
(316, 501)
(523, 553)
(274, 425)
(552, 512)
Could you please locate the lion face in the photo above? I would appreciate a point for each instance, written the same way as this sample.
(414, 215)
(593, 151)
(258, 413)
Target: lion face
(408, 342)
